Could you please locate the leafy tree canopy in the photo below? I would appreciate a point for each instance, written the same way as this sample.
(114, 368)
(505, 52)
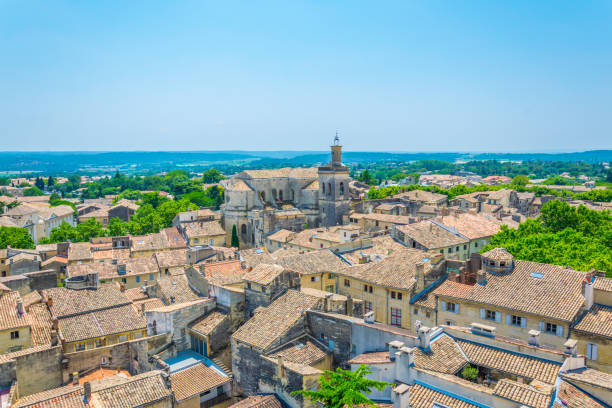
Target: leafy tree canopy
(344, 388)
(212, 176)
(15, 238)
(32, 191)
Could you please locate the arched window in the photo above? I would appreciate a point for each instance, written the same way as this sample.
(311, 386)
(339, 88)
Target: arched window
(292, 195)
(263, 196)
(341, 188)
(274, 196)
(329, 188)
(280, 195)
(323, 185)
(243, 229)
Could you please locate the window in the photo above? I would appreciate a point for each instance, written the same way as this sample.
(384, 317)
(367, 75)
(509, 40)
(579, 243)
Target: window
(312, 279)
(341, 188)
(450, 250)
(14, 334)
(263, 289)
(249, 285)
(243, 229)
(330, 288)
(399, 295)
(592, 351)
(449, 323)
(475, 244)
(99, 342)
(396, 317)
(347, 283)
(551, 328)
(196, 240)
(441, 251)
(451, 307)
(365, 288)
(322, 336)
(331, 276)
(465, 247)
(491, 315)
(367, 306)
(427, 314)
(220, 390)
(517, 321)
(392, 295)
(123, 337)
(137, 279)
(124, 280)
(166, 271)
(79, 347)
(415, 311)
(457, 249)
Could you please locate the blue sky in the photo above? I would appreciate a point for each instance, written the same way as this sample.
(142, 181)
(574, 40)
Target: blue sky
(284, 75)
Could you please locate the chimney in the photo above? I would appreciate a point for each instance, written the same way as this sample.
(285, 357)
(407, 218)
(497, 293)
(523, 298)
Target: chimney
(587, 291)
(424, 334)
(54, 339)
(368, 317)
(279, 367)
(404, 362)
(142, 308)
(417, 325)
(534, 338)
(420, 277)
(401, 396)
(481, 277)
(154, 327)
(122, 287)
(349, 305)
(20, 308)
(327, 300)
(394, 347)
(55, 324)
(50, 301)
(75, 378)
(86, 391)
(570, 347)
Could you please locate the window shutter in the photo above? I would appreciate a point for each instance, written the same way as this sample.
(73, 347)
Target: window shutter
(559, 330)
(457, 308)
(498, 317)
(523, 322)
(589, 351)
(482, 313)
(594, 352)
(508, 319)
(541, 326)
(444, 305)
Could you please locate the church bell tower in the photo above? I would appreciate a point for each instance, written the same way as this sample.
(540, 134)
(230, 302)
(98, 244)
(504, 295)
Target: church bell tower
(334, 194)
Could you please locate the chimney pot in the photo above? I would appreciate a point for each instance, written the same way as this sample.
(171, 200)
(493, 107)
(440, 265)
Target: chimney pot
(142, 308)
(86, 391)
(369, 317)
(534, 338)
(50, 301)
(481, 277)
(75, 378)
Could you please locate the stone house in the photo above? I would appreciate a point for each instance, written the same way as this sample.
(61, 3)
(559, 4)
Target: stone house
(429, 236)
(264, 283)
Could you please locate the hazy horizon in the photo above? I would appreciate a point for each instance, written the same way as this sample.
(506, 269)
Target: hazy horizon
(395, 76)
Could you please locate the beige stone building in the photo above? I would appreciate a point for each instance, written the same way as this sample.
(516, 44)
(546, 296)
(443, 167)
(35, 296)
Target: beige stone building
(204, 233)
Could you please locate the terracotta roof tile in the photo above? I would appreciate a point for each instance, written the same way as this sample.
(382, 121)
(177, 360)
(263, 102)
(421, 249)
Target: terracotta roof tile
(263, 274)
(596, 321)
(71, 302)
(269, 323)
(195, 380)
(431, 235)
(258, 401)
(444, 356)
(301, 352)
(572, 397)
(207, 324)
(590, 376)
(424, 397)
(604, 284)
(203, 228)
(522, 393)
(101, 323)
(540, 289)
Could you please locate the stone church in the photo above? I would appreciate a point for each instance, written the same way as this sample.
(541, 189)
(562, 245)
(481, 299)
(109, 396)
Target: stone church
(259, 202)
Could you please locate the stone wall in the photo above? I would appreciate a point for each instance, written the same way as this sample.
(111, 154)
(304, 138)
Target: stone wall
(43, 279)
(328, 328)
(39, 371)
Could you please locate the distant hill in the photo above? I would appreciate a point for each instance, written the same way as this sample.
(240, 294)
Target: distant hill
(139, 162)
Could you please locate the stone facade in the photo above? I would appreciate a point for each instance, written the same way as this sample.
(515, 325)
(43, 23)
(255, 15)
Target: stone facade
(259, 202)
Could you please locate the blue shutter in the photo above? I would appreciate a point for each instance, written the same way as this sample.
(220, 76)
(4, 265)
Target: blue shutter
(559, 330)
(541, 326)
(482, 313)
(457, 308)
(508, 319)
(498, 317)
(523, 322)
(443, 305)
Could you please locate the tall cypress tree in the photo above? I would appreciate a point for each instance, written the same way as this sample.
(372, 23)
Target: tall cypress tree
(235, 241)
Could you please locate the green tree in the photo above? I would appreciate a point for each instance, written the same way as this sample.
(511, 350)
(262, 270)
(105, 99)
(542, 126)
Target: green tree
(609, 175)
(154, 199)
(50, 182)
(520, 180)
(15, 238)
(32, 191)
(469, 373)
(557, 215)
(89, 229)
(146, 221)
(40, 183)
(366, 177)
(65, 232)
(235, 241)
(212, 176)
(344, 388)
(117, 227)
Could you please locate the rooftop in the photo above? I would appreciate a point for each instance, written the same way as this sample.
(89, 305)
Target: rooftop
(597, 321)
(264, 274)
(71, 302)
(195, 380)
(431, 235)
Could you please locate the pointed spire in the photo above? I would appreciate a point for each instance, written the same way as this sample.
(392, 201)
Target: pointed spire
(336, 139)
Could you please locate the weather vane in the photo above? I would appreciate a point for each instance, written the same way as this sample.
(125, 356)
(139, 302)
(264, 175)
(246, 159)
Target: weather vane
(336, 139)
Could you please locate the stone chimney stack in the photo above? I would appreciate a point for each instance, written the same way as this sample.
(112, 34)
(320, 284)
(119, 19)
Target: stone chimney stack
(75, 378)
(481, 277)
(368, 317)
(50, 301)
(20, 308)
(122, 287)
(571, 348)
(587, 291)
(349, 305)
(420, 277)
(142, 309)
(424, 334)
(401, 396)
(394, 348)
(534, 338)
(86, 392)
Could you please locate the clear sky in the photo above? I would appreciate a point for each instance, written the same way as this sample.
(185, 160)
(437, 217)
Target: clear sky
(284, 75)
